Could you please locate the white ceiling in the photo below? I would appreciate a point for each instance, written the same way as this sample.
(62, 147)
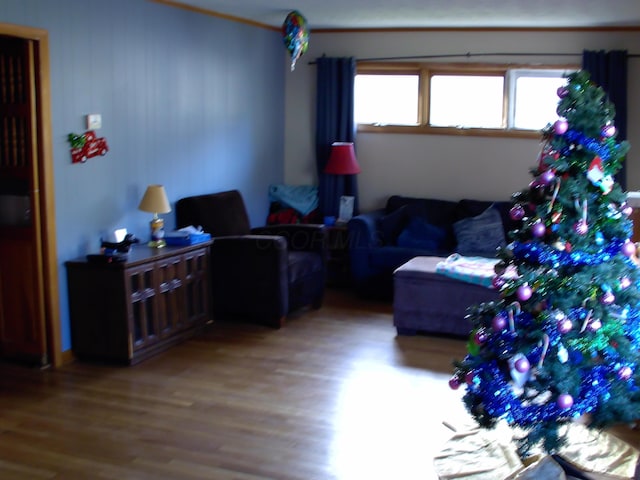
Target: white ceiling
(358, 14)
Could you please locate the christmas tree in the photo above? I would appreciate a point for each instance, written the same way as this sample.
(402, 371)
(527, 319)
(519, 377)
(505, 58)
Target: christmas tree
(562, 342)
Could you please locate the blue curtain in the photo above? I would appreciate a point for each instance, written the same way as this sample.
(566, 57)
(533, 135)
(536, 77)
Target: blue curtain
(609, 70)
(334, 123)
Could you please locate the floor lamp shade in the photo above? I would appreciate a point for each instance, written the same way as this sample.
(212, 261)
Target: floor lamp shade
(342, 160)
(155, 201)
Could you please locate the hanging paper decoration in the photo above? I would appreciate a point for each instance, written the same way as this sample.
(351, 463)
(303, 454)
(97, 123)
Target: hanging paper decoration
(295, 34)
(86, 146)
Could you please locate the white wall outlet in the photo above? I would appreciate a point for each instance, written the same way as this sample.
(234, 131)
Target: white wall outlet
(94, 121)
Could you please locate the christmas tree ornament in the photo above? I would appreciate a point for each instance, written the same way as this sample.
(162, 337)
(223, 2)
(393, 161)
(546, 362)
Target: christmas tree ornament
(595, 325)
(470, 378)
(499, 323)
(625, 373)
(524, 292)
(556, 190)
(625, 282)
(538, 229)
(599, 238)
(563, 354)
(565, 401)
(522, 365)
(518, 377)
(454, 383)
(609, 131)
(560, 126)
(607, 298)
(480, 337)
(628, 248)
(516, 212)
(547, 177)
(562, 91)
(581, 227)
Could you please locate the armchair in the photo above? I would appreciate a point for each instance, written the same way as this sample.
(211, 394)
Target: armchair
(262, 273)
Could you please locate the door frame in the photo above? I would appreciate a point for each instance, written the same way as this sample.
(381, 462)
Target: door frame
(46, 186)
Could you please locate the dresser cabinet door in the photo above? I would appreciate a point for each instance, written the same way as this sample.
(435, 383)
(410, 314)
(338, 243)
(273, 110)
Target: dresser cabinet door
(170, 298)
(197, 287)
(143, 317)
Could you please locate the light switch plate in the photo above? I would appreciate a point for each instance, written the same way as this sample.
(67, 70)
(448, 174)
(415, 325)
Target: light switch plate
(94, 121)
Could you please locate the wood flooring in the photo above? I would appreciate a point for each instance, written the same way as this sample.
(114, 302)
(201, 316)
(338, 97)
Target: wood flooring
(335, 394)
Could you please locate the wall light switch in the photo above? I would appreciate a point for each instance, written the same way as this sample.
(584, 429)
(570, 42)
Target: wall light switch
(94, 121)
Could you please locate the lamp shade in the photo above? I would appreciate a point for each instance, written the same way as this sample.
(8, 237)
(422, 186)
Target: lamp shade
(342, 160)
(155, 200)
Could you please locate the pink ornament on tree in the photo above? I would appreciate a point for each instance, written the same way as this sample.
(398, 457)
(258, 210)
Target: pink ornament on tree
(562, 91)
(499, 323)
(538, 229)
(480, 337)
(625, 282)
(595, 325)
(561, 126)
(607, 298)
(628, 248)
(524, 292)
(470, 377)
(454, 383)
(522, 365)
(609, 131)
(625, 373)
(547, 177)
(516, 212)
(565, 326)
(565, 401)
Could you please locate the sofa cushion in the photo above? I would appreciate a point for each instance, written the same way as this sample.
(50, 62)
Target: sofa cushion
(392, 224)
(480, 235)
(472, 208)
(421, 234)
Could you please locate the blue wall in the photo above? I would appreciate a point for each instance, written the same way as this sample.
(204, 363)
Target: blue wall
(190, 101)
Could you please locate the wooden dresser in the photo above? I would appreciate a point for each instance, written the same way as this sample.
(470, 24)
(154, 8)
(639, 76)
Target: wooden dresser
(125, 312)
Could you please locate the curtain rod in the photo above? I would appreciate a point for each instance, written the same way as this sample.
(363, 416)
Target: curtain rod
(469, 55)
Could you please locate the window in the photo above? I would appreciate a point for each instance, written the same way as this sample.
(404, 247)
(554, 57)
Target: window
(397, 98)
(442, 98)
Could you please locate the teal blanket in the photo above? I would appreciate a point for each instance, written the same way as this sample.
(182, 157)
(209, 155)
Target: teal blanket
(302, 198)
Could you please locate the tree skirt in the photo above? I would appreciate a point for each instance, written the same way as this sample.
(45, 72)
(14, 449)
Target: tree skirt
(480, 454)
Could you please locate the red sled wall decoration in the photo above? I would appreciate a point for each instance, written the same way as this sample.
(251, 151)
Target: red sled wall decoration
(86, 146)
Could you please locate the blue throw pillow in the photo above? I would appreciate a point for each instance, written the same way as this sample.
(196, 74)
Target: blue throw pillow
(422, 235)
(392, 224)
(480, 235)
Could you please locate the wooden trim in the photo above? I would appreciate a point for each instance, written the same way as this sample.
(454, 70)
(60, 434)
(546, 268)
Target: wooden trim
(427, 130)
(46, 171)
(67, 357)
(478, 29)
(213, 13)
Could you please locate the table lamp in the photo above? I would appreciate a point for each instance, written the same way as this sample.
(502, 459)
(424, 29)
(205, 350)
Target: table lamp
(155, 201)
(342, 161)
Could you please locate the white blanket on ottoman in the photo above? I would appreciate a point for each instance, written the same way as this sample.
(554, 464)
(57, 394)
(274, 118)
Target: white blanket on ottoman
(476, 270)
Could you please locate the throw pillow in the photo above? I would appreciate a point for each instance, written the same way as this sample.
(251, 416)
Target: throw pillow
(392, 224)
(422, 235)
(480, 235)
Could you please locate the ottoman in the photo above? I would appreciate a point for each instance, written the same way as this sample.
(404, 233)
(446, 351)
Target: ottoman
(426, 301)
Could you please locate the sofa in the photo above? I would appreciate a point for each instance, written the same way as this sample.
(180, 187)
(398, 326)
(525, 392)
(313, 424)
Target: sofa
(380, 241)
